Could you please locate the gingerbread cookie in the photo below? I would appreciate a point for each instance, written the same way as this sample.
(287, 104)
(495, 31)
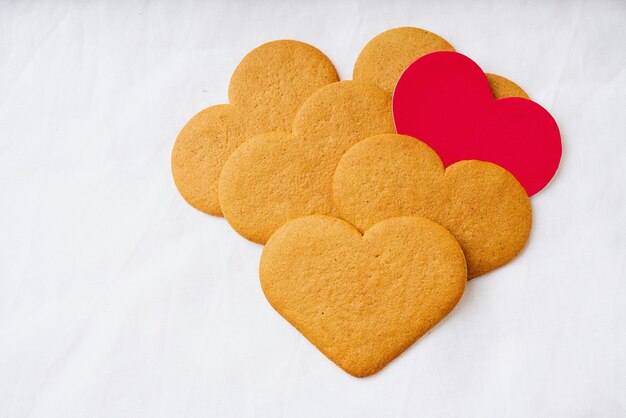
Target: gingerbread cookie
(276, 177)
(362, 299)
(385, 57)
(481, 204)
(265, 91)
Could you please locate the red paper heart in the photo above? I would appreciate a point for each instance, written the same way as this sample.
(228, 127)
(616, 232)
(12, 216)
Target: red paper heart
(444, 100)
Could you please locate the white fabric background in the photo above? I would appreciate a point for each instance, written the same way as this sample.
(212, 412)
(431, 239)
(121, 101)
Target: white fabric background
(117, 299)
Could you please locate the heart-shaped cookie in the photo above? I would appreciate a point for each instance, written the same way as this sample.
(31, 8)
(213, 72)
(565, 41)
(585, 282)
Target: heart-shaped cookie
(480, 203)
(444, 99)
(384, 58)
(362, 299)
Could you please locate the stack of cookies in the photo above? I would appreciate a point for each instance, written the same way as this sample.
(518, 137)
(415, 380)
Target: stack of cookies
(376, 198)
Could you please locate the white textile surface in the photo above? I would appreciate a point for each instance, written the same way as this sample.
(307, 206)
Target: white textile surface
(117, 299)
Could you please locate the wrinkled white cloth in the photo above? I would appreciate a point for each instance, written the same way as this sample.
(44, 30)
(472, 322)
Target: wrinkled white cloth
(117, 299)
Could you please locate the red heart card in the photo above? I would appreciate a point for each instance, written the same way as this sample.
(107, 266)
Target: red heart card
(444, 100)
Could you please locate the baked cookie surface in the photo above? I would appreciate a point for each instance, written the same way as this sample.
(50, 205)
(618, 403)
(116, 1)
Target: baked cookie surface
(277, 177)
(362, 299)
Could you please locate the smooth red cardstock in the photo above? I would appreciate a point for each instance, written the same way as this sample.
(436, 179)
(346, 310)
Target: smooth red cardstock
(444, 100)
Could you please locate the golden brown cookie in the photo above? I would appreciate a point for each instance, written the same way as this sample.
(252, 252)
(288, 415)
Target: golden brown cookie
(276, 177)
(481, 204)
(362, 299)
(266, 89)
(385, 57)
(503, 87)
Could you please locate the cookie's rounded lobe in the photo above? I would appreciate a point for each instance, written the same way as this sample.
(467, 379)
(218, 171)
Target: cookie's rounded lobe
(260, 189)
(385, 57)
(201, 147)
(274, 79)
